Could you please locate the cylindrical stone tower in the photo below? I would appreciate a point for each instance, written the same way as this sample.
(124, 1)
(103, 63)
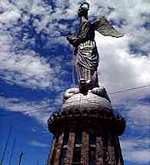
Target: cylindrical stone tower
(86, 131)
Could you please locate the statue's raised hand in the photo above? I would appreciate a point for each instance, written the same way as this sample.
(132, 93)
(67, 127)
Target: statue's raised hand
(73, 40)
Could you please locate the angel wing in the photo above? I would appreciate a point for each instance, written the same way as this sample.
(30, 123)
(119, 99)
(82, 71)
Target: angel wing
(105, 28)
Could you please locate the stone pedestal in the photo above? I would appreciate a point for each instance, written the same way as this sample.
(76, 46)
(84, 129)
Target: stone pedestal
(86, 132)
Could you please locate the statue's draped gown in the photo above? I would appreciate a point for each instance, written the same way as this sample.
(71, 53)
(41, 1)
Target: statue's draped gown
(87, 57)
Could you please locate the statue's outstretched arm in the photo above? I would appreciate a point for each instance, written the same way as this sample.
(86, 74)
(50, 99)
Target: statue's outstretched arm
(73, 40)
(103, 26)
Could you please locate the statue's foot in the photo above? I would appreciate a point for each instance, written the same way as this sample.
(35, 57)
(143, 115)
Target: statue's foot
(101, 91)
(90, 85)
(83, 87)
(70, 92)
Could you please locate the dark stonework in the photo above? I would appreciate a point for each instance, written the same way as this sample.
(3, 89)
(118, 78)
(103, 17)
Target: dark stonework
(100, 148)
(70, 147)
(111, 150)
(55, 159)
(85, 148)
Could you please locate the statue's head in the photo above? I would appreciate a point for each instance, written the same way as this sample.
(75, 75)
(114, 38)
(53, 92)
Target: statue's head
(83, 9)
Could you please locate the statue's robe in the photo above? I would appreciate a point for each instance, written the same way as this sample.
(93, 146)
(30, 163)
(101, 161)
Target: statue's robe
(87, 57)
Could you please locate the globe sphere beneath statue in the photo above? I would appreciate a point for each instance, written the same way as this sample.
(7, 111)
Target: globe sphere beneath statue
(89, 102)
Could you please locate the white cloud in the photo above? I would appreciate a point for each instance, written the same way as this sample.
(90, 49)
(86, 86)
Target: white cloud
(136, 113)
(40, 110)
(38, 144)
(136, 151)
(139, 117)
(25, 68)
(140, 157)
(118, 68)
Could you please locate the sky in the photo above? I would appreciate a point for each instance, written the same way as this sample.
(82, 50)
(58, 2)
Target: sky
(36, 67)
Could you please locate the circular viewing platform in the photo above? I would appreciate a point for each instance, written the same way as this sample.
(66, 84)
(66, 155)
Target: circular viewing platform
(91, 110)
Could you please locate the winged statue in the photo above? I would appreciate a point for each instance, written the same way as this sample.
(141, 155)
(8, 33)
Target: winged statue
(86, 54)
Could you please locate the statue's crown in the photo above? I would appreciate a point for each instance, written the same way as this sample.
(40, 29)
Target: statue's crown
(84, 5)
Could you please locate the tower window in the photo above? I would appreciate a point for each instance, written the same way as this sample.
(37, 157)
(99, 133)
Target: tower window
(78, 139)
(66, 137)
(62, 157)
(92, 157)
(76, 156)
(92, 137)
